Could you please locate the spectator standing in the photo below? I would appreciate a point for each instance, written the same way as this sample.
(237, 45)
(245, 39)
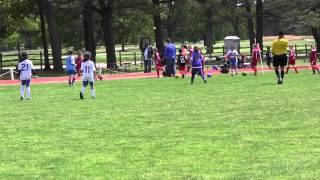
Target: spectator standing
(147, 57)
(269, 57)
(170, 57)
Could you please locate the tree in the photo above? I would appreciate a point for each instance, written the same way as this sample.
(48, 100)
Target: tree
(53, 34)
(303, 16)
(251, 33)
(158, 26)
(209, 30)
(44, 38)
(259, 22)
(106, 12)
(88, 26)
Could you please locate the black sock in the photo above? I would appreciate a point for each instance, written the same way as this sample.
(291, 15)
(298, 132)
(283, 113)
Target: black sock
(277, 73)
(282, 74)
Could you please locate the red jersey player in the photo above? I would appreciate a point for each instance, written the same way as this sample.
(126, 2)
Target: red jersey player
(181, 60)
(256, 57)
(292, 59)
(79, 60)
(190, 49)
(313, 60)
(157, 61)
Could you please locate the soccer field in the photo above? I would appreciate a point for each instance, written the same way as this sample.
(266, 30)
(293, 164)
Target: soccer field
(230, 128)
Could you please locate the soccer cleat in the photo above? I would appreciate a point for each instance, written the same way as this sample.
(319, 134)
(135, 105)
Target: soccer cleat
(93, 97)
(28, 98)
(191, 82)
(280, 81)
(81, 95)
(21, 98)
(205, 81)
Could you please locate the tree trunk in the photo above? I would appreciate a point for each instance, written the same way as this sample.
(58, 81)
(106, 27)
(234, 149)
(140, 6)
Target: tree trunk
(88, 24)
(316, 36)
(44, 39)
(235, 25)
(235, 19)
(171, 22)
(158, 25)
(54, 36)
(122, 46)
(106, 13)
(209, 29)
(259, 21)
(250, 25)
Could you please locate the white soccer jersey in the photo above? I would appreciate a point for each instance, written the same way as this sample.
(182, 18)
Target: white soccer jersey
(25, 67)
(88, 68)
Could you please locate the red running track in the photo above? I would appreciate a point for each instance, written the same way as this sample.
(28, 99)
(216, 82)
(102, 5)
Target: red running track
(47, 80)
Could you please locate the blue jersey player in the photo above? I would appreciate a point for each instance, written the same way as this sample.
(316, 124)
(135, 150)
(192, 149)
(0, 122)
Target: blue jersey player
(71, 68)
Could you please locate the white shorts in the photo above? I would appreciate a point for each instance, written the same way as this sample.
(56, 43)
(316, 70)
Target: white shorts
(88, 78)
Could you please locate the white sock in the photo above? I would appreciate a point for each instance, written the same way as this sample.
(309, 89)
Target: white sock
(93, 93)
(22, 91)
(28, 92)
(83, 89)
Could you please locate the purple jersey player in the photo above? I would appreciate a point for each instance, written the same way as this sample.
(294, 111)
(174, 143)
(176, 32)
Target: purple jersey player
(196, 63)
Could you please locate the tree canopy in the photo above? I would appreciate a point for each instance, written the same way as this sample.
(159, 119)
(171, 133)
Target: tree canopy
(88, 23)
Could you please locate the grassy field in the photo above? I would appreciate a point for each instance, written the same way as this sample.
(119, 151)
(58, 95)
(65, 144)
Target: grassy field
(231, 128)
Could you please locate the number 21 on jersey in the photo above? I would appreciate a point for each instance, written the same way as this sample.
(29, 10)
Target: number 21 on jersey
(24, 67)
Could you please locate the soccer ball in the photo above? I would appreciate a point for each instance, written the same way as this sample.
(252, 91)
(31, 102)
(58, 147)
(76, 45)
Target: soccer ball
(209, 75)
(244, 73)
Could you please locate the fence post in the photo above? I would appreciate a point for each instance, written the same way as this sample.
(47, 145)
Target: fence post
(135, 58)
(306, 48)
(41, 60)
(0, 61)
(142, 62)
(11, 74)
(120, 58)
(223, 50)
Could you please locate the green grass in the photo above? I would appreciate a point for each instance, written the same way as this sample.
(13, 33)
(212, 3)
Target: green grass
(231, 128)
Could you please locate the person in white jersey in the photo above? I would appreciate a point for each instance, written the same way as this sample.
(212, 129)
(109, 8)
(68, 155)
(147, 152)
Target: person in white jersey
(88, 71)
(25, 72)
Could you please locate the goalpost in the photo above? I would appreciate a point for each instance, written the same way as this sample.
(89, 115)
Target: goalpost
(11, 72)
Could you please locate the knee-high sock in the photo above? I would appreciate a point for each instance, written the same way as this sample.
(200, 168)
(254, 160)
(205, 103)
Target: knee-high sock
(83, 89)
(73, 79)
(93, 93)
(192, 76)
(28, 92)
(277, 73)
(158, 73)
(22, 91)
(282, 74)
(202, 75)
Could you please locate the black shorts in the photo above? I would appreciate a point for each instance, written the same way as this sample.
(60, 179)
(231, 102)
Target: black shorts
(280, 60)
